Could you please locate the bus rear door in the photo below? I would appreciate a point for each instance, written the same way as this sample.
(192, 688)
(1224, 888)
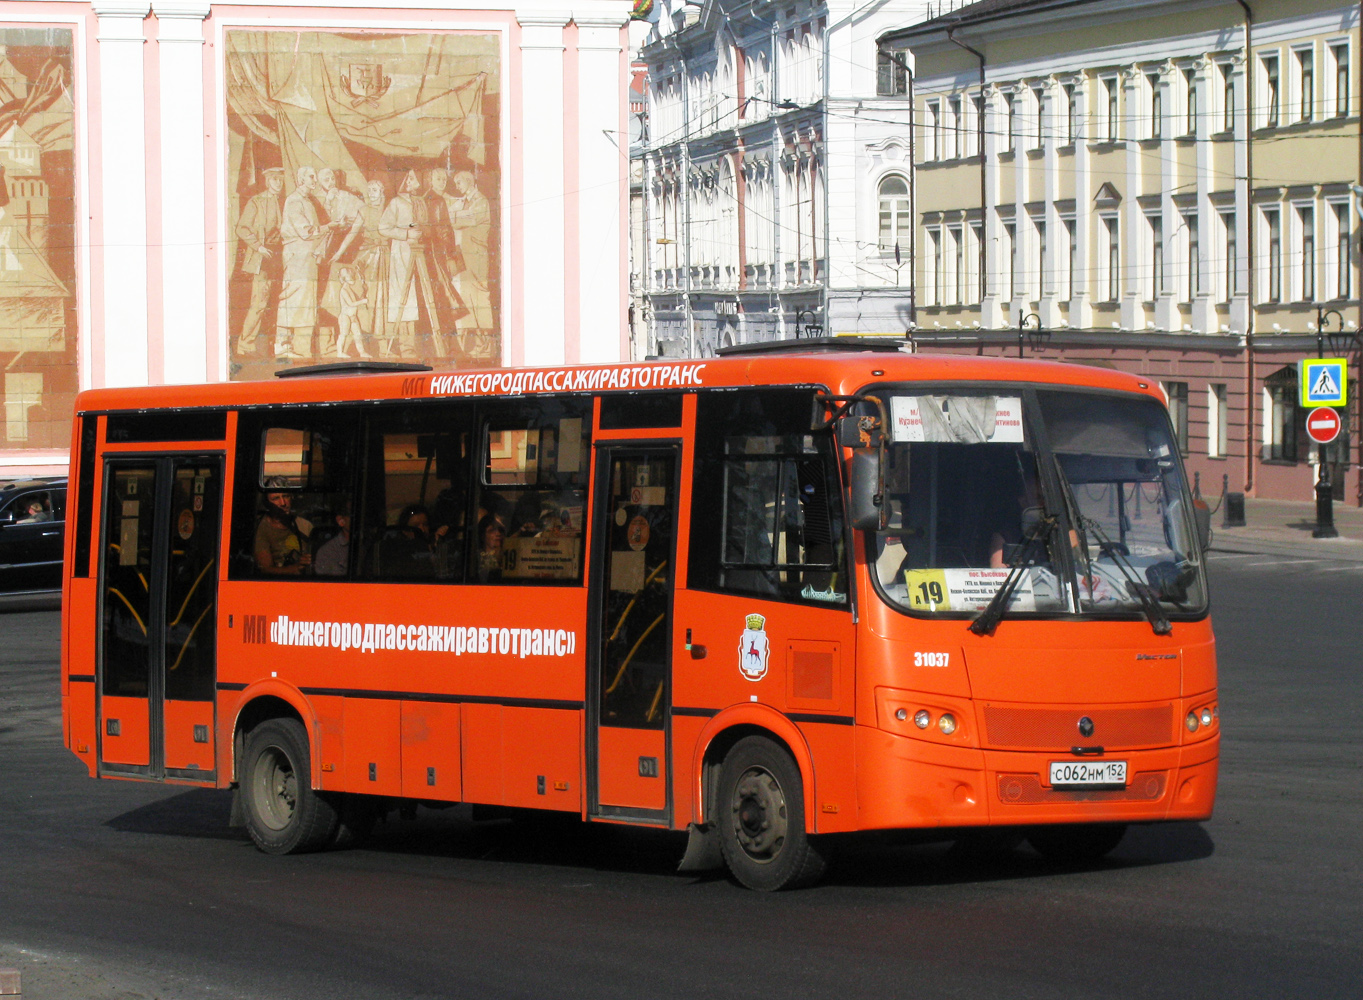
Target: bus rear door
(158, 582)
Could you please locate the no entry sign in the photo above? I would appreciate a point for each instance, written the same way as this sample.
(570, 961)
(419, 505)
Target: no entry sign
(1323, 424)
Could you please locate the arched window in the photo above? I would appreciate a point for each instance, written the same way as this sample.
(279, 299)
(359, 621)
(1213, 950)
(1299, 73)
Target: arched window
(895, 221)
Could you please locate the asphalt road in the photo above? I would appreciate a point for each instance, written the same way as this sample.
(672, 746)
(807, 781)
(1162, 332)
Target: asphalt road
(115, 891)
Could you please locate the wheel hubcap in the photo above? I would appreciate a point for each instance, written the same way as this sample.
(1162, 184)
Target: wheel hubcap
(759, 815)
(276, 789)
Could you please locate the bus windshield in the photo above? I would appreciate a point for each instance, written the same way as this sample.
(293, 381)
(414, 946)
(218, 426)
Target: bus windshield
(1082, 492)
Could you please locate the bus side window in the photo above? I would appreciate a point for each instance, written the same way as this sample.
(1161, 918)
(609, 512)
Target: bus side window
(771, 484)
(414, 523)
(532, 492)
(294, 496)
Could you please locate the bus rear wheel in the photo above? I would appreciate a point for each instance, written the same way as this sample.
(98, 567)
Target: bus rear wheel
(761, 818)
(284, 815)
(1076, 844)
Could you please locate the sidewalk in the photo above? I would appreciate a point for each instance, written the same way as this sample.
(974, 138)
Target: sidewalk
(1283, 527)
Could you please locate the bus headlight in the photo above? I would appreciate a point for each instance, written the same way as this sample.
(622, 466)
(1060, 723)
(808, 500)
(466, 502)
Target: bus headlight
(947, 723)
(1191, 722)
(922, 718)
(1206, 716)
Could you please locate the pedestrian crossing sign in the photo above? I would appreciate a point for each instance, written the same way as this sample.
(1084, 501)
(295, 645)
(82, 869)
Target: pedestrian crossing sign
(1323, 381)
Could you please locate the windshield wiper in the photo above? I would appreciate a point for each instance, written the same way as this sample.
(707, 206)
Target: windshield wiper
(1150, 606)
(989, 618)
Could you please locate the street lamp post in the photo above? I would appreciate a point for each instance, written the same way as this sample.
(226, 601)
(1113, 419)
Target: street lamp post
(1325, 487)
(1029, 323)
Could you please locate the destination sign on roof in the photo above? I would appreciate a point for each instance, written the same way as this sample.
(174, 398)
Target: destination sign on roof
(1323, 381)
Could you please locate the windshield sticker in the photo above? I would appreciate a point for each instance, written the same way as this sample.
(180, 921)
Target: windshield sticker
(971, 589)
(515, 383)
(957, 419)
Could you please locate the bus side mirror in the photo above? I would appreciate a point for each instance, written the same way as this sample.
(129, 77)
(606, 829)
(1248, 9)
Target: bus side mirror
(1202, 517)
(867, 505)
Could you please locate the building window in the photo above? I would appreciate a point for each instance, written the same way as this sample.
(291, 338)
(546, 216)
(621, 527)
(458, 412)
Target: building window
(1011, 101)
(891, 78)
(977, 241)
(1218, 420)
(1272, 90)
(933, 291)
(1306, 220)
(1010, 239)
(1190, 86)
(978, 103)
(1306, 83)
(932, 140)
(1343, 251)
(1156, 105)
(1178, 412)
(894, 216)
(1190, 223)
(1039, 102)
(1071, 258)
(1339, 55)
(958, 265)
(1071, 115)
(1274, 250)
(1156, 233)
(1112, 275)
(1110, 125)
(1228, 97)
(1231, 276)
(1280, 422)
(1039, 230)
(954, 145)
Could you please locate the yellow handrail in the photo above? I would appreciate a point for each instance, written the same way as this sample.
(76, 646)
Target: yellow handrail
(629, 656)
(190, 637)
(195, 586)
(128, 603)
(630, 606)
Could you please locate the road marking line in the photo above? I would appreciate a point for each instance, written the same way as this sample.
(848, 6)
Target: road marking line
(1356, 568)
(1279, 562)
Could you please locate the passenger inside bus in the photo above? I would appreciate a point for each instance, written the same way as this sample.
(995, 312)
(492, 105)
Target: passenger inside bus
(491, 535)
(281, 541)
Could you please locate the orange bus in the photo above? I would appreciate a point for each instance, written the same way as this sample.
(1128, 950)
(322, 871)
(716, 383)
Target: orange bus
(796, 590)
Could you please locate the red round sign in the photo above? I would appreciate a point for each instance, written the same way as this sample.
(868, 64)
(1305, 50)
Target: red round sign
(1323, 424)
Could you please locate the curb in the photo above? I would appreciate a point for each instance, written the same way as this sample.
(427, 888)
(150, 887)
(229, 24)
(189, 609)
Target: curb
(1326, 549)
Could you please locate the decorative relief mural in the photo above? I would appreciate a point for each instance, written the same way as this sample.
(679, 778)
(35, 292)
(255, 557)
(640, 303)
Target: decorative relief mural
(38, 376)
(364, 198)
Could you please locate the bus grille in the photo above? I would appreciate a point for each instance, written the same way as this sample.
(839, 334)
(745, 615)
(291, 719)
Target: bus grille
(1027, 789)
(1058, 728)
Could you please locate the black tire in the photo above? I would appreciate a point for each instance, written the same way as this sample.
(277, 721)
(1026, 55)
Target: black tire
(284, 815)
(1076, 844)
(761, 816)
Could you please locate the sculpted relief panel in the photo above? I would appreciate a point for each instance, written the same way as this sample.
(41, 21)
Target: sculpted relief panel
(364, 190)
(38, 376)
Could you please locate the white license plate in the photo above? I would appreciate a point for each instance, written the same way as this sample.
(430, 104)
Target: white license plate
(1088, 774)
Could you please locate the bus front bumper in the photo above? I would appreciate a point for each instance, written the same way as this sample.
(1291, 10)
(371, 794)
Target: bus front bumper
(904, 783)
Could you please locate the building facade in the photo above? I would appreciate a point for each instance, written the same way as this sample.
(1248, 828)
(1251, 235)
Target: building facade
(195, 191)
(754, 173)
(1166, 188)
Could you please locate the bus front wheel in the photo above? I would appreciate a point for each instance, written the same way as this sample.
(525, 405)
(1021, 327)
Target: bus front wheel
(284, 815)
(761, 818)
(1076, 844)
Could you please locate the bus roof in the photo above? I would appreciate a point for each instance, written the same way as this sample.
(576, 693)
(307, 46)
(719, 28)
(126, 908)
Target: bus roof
(842, 372)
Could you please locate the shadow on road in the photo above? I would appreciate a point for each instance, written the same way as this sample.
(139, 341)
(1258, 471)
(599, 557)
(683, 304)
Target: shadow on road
(561, 840)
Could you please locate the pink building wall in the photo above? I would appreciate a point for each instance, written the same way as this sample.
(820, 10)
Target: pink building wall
(178, 111)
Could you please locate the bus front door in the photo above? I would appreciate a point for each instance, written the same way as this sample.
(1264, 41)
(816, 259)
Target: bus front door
(157, 665)
(630, 664)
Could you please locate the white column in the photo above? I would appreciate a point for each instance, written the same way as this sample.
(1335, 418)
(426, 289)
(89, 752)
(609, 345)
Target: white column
(1242, 304)
(184, 297)
(1081, 302)
(1133, 236)
(1057, 241)
(542, 252)
(993, 310)
(601, 170)
(122, 172)
(1210, 264)
(1167, 314)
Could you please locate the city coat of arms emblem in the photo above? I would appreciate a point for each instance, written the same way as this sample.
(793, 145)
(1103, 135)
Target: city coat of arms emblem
(753, 649)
